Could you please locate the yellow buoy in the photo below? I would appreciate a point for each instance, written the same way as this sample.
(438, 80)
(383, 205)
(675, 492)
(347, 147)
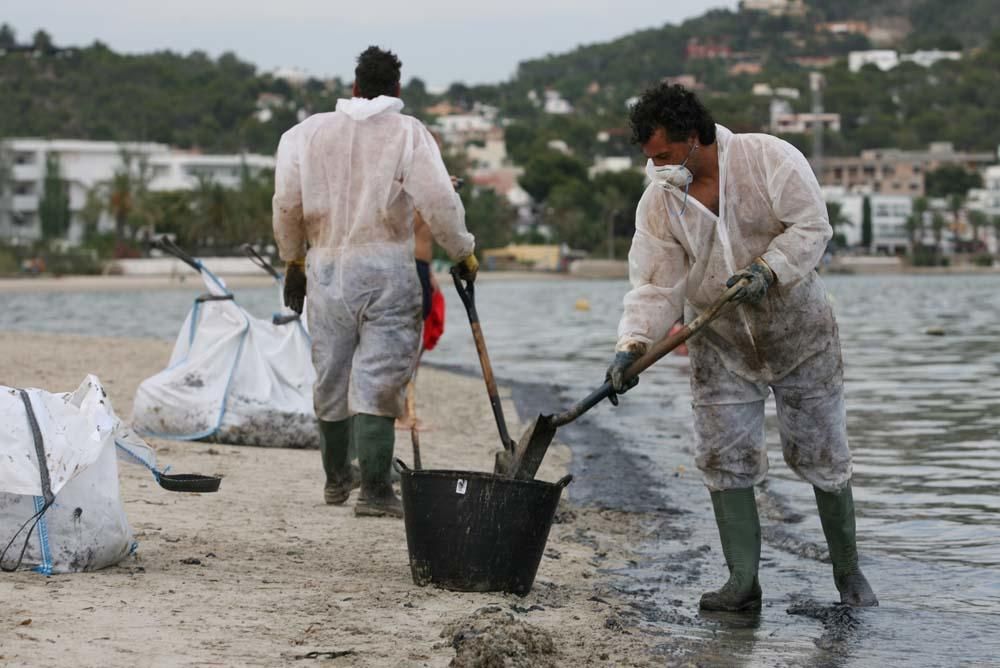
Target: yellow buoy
(582, 305)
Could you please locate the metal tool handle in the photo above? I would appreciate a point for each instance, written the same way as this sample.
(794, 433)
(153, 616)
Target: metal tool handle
(168, 246)
(467, 293)
(657, 351)
(258, 260)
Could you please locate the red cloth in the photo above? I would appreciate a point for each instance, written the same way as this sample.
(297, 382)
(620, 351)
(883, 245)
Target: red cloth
(434, 324)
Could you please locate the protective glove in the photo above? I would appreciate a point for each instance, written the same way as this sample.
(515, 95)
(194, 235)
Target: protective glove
(468, 268)
(616, 374)
(295, 285)
(761, 277)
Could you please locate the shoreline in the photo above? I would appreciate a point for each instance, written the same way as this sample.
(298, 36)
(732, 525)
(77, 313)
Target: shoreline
(32, 284)
(102, 283)
(280, 573)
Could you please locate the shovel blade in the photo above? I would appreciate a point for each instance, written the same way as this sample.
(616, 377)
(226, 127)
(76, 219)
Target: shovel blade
(530, 450)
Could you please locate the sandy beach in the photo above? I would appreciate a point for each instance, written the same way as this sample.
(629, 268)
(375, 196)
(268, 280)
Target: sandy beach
(263, 573)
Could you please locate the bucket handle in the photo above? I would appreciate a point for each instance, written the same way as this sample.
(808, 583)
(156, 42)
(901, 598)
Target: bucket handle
(564, 481)
(401, 466)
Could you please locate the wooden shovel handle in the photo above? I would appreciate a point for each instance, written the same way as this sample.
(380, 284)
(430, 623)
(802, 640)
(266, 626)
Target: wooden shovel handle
(655, 353)
(660, 349)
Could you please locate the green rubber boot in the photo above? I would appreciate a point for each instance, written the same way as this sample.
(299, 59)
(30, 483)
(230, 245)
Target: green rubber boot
(836, 512)
(375, 437)
(739, 531)
(341, 476)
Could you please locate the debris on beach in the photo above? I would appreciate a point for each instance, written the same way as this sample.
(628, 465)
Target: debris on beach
(493, 637)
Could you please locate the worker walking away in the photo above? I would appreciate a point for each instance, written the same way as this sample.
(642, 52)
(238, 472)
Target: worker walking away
(721, 208)
(347, 185)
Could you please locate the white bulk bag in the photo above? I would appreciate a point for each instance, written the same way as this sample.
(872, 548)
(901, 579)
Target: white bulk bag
(63, 508)
(232, 378)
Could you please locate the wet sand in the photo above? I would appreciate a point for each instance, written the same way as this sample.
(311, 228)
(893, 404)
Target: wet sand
(263, 573)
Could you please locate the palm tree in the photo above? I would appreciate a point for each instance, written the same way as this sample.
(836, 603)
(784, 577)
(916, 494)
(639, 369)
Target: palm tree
(835, 212)
(915, 223)
(126, 194)
(938, 224)
(977, 221)
(956, 203)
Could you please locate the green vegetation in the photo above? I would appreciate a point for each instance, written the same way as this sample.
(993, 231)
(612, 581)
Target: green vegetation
(225, 105)
(53, 209)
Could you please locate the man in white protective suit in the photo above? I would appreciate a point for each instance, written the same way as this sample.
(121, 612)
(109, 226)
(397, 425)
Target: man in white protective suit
(347, 185)
(722, 207)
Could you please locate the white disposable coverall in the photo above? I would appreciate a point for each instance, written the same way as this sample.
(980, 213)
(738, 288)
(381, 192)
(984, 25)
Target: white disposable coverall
(347, 184)
(770, 205)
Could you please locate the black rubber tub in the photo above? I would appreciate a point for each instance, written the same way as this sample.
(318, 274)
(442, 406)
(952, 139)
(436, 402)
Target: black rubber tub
(472, 531)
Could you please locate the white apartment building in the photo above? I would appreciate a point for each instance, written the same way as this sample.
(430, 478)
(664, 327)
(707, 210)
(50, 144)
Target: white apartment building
(884, 59)
(83, 165)
(987, 198)
(887, 59)
(889, 216)
(929, 57)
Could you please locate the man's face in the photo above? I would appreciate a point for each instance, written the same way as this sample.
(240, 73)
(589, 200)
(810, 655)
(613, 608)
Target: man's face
(663, 151)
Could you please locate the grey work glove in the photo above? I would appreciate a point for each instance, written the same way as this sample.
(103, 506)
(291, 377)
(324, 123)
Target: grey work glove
(761, 277)
(295, 285)
(616, 374)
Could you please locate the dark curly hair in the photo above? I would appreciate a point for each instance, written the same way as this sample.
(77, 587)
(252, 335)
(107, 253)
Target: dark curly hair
(377, 72)
(674, 108)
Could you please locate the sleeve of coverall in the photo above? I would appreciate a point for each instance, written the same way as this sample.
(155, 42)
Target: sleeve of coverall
(657, 269)
(286, 207)
(798, 203)
(426, 180)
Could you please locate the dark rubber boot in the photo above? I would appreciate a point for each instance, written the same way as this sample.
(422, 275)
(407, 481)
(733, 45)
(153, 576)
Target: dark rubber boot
(739, 531)
(375, 437)
(836, 512)
(341, 477)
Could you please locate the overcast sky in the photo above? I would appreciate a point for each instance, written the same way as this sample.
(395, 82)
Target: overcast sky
(441, 41)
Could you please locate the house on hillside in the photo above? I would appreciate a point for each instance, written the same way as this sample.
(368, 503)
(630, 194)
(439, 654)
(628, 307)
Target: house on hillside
(688, 81)
(460, 129)
(847, 27)
(555, 104)
(751, 67)
(610, 164)
(709, 49)
(775, 7)
(490, 153)
(786, 121)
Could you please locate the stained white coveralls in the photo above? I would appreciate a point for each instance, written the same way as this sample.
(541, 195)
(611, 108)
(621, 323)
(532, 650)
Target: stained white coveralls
(770, 205)
(346, 187)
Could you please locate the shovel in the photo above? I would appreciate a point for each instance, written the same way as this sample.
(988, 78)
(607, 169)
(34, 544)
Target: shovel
(467, 293)
(530, 450)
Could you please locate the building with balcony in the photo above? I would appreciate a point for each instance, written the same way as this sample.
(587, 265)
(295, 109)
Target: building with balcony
(889, 216)
(84, 165)
(897, 172)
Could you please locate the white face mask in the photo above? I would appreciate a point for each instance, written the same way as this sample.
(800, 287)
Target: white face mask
(669, 176)
(672, 176)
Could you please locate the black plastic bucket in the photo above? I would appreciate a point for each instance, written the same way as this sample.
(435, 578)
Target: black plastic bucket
(471, 531)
